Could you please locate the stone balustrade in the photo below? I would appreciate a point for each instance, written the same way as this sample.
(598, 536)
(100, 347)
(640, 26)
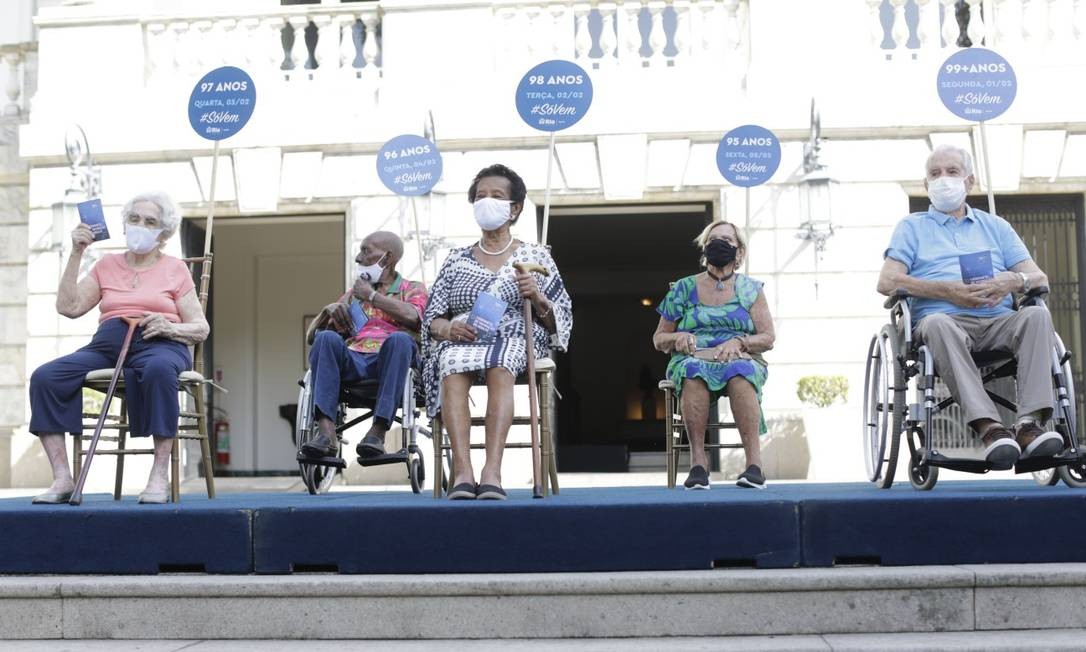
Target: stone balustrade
(303, 43)
(630, 34)
(909, 29)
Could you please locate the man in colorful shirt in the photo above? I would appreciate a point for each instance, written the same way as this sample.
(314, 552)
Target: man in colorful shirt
(375, 338)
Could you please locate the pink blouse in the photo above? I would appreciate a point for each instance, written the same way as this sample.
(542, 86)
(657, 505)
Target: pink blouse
(126, 291)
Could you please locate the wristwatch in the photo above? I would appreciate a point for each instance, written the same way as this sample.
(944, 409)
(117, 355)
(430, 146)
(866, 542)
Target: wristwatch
(1025, 282)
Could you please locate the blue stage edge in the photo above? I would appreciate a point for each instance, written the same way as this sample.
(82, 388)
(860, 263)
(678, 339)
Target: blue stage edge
(581, 530)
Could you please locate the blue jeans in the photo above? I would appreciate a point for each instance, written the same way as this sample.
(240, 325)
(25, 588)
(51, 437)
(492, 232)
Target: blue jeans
(332, 364)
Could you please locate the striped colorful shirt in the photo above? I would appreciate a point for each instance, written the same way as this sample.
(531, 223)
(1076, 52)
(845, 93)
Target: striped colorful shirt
(380, 324)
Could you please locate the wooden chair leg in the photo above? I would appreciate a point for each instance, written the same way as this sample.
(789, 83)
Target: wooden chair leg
(175, 470)
(438, 471)
(546, 429)
(669, 435)
(77, 454)
(205, 441)
(122, 438)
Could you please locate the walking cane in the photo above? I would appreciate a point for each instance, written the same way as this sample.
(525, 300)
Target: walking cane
(77, 495)
(537, 469)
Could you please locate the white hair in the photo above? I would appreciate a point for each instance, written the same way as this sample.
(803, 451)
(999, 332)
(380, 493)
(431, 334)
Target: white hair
(967, 160)
(169, 214)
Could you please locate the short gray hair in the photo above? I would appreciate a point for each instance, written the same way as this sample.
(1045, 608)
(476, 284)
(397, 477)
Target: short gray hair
(967, 159)
(169, 213)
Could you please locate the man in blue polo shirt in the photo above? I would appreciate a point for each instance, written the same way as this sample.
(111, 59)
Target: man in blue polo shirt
(954, 318)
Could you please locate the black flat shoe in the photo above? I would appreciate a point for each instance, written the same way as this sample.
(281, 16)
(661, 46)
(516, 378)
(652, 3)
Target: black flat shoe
(370, 446)
(491, 492)
(463, 491)
(320, 446)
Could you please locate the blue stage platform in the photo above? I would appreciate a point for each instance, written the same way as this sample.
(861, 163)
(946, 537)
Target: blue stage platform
(605, 529)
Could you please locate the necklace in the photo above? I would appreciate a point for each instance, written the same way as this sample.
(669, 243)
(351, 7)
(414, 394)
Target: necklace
(496, 253)
(136, 272)
(719, 279)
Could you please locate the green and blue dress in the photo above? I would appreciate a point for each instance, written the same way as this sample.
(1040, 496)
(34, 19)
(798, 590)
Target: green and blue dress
(713, 325)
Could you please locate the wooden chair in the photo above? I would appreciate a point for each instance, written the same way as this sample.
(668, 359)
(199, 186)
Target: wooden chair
(544, 370)
(677, 440)
(193, 424)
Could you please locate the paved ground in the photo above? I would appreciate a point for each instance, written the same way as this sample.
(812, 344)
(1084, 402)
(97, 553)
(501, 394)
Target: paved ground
(1067, 639)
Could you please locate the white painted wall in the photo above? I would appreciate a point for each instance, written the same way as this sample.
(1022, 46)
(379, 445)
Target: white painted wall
(267, 277)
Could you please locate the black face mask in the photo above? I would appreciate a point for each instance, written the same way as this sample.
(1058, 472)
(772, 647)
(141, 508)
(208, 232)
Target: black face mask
(720, 253)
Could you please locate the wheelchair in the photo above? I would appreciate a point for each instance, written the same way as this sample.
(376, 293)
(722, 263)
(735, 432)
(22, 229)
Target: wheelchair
(894, 359)
(318, 474)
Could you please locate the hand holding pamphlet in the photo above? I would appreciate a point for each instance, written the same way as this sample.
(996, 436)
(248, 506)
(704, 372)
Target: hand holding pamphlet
(976, 267)
(358, 316)
(90, 213)
(485, 316)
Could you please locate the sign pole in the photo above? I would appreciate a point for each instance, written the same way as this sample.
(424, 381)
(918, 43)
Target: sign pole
(547, 190)
(418, 240)
(746, 228)
(987, 168)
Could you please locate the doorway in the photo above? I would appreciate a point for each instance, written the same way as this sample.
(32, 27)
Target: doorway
(617, 262)
(271, 276)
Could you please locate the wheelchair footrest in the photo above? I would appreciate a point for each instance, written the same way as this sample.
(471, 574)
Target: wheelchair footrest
(399, 457)
(1031, 464)
(964, 464)
(337, 462)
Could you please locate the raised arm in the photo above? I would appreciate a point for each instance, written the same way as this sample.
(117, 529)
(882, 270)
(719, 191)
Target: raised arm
(75, 299)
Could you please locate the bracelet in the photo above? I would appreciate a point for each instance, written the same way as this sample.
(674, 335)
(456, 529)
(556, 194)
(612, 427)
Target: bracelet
(743, 344)
(543, 315)
(373, 293)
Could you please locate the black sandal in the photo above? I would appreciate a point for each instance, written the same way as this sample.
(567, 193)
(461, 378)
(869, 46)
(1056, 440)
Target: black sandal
(463, 491)
(491, 492)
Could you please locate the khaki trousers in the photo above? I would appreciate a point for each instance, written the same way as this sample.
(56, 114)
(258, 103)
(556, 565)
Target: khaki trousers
(1027, 333)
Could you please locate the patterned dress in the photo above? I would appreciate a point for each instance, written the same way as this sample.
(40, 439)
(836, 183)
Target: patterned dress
(712, 325)
(459, 282)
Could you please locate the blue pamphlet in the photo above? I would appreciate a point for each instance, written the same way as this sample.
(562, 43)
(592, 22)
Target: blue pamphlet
(90, 213)
(976, 267)
(358, 317)
(485, 316)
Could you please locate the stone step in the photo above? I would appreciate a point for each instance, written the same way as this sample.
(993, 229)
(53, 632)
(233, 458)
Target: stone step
(735, 602)
(997, 641)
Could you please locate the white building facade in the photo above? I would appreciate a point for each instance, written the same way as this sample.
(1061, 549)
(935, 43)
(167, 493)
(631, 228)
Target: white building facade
(634, 180)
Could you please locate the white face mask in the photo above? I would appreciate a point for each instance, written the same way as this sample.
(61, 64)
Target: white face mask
(491, 213)
(371, 273)
(140, 239)
(946, 193)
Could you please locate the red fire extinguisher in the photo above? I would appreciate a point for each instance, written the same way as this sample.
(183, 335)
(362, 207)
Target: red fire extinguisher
(222, 441)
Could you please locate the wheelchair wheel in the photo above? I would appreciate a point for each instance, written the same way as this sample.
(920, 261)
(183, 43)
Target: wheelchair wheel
(922, 479)
(884, 406)
(1066, 423)
(1073, 475)
(317, 479)
(416, 471)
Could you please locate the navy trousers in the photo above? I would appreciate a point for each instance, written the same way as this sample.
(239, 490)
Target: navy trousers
(150, 383)
(331, 364)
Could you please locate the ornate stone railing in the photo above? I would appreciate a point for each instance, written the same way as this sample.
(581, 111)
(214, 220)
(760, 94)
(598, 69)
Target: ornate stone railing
(632, 34)
(14, 73)
(304, 42)
(902, 29)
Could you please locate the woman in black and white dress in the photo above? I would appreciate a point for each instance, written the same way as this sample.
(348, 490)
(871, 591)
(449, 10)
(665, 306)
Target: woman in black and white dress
(455, 355)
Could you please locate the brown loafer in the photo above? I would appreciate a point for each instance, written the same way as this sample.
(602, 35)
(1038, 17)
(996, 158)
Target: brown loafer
(1035, 442)
(1001, 451)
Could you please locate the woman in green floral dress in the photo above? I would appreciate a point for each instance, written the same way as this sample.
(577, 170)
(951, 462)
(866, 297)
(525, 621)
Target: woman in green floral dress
(716, 325)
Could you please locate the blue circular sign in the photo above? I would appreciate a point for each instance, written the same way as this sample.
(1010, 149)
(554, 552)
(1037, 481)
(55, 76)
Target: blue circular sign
(748, 155)
(221, 103)
(976, 84)
(554, 95)
(409, 165)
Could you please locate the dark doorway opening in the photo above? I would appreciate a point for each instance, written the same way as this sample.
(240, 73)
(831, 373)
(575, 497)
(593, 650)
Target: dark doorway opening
(617, 262)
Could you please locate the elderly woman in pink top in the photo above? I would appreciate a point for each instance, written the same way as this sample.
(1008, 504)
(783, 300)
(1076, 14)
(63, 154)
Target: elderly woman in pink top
(142, 281)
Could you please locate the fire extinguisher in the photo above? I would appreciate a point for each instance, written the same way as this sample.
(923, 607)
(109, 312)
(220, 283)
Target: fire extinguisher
(222, 441)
